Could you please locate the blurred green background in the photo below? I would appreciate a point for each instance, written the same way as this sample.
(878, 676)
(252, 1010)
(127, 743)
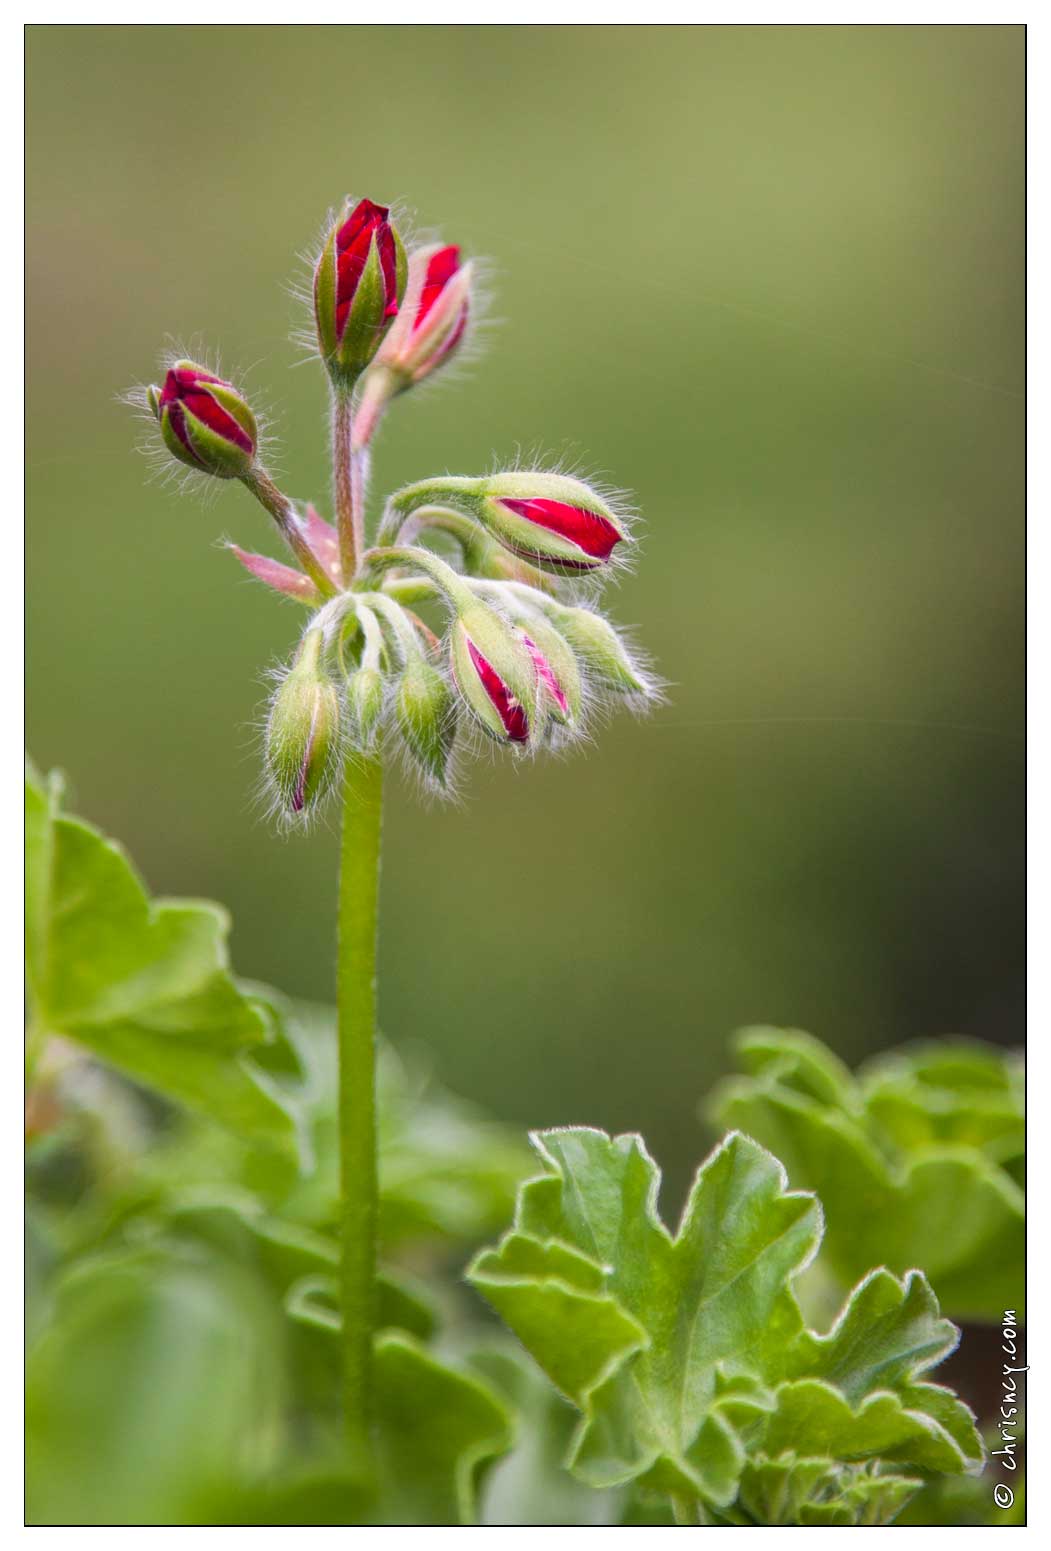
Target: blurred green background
(770, 280)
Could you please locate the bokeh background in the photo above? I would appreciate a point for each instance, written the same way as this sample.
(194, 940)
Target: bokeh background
(770, 280)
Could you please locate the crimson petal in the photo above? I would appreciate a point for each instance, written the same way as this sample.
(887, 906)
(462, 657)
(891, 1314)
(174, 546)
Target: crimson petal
(595, 535)
(511, 711)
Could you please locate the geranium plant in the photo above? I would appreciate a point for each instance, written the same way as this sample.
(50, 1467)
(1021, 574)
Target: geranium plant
(521, 662)
(307, 1178)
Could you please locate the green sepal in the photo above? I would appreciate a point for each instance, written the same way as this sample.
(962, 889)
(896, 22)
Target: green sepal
(325, 299)
(215, 454)
(303, 750)
(598, 646)
(230, 400)
(365, 704)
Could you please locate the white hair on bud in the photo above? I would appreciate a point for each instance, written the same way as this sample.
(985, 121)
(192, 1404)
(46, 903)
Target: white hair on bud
(267, 799)
(425, 786)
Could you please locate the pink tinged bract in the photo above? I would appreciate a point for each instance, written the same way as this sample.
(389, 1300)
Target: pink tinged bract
(323, 540)
(282, 578)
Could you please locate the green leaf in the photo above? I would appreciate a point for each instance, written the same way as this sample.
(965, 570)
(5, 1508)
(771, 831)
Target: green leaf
(299, 1263)
(696, 1360)
(143, 984)
(793, 1490)
(170, 1387)
(914, 1159)
(439, 1427)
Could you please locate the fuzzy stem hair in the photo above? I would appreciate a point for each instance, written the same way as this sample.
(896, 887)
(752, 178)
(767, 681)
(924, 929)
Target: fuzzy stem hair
(348, 480)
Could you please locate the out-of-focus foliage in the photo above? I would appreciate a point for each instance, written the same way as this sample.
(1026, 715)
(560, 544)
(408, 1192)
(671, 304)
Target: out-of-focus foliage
(145, 987)
(688, 1357)
(143, 984)
(968, 1500)
(918, 1159)
(182, 1273)
(176, 1270)
(167, 1382)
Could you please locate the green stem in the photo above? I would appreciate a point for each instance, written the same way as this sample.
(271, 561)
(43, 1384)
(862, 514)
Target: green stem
(356, 999)
(449, 582)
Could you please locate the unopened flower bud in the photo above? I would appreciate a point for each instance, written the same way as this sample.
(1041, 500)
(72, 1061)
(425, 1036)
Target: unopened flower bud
(496, 675)
(302, 736)
(557, 522)
(204, 421)
(557, 671)
(600, 649)
(426, 713)
(358, 286)
(365, 703)
(433, 319)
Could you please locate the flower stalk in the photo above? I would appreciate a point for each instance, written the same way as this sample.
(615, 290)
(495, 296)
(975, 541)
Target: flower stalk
(521, 662)
(283, 513)
(358, 915)
(347, 482)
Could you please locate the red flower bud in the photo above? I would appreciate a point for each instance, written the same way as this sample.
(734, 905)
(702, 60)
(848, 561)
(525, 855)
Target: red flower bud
(496, 674)
(205, 422)
(510, 710)
(358, 285)
(546, 674)
(553, 520)
(434, 318)
(594, 535)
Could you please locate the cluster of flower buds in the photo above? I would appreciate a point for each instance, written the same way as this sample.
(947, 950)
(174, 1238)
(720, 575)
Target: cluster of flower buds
(521, 657)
